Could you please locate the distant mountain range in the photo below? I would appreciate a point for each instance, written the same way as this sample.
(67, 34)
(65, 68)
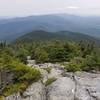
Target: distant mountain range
(62, 35)
(12, 28)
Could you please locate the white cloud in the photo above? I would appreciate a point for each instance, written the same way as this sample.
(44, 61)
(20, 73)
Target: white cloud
(73, 7)
(31, 7)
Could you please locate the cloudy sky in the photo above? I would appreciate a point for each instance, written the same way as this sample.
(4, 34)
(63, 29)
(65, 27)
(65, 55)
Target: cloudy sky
(37, 7)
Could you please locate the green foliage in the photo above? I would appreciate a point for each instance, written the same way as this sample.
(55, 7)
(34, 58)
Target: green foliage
(72, 67)
(86, 48)
(93, 61)
(18, 87)
(89, 63)
(40, 35)
(41, 55)
(80, 57)
(1, 97)
(22, 54)
(75, 65)
(48, 69)
(22, 74)
(50, 81)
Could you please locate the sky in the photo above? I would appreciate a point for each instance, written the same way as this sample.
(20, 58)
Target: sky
(13, 8)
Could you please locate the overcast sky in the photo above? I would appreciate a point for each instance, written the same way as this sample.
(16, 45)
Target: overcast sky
(34, 7)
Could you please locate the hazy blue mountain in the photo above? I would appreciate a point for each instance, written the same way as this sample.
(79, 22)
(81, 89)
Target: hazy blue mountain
(12, 28)
(40, 35)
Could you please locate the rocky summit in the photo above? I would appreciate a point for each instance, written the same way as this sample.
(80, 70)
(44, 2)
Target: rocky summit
(58, 84)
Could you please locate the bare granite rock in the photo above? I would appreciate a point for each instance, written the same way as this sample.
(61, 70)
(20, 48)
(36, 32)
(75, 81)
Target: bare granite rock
(55, 73)
(35, 92)
(87, 86)
(69, 86)
(61, 89)
(15, 96)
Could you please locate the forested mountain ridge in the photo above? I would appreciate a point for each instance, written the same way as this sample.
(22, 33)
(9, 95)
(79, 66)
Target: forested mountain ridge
(12, 28)
(41, 35)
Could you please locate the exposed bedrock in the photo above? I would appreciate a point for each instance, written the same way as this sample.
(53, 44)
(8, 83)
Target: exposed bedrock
(68, 86)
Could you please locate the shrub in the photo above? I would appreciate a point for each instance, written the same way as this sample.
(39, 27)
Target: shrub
(92, 63)
(48, 69)
(50, 81)
(23, 72)
(41, 55)
(23, 76)
(77, 64)
(72, 67)
(18, 87)
(1, 98)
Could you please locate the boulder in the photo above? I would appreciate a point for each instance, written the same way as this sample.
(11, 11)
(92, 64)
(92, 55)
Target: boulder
(35, 92)
(71, 86)
(62, 89)
(87, 86)
(15, 96)
(55, 73)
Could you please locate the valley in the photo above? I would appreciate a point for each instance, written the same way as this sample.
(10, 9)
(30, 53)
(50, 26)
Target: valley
(19, 26)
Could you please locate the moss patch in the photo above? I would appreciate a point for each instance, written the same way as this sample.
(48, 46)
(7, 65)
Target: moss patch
(50, 81)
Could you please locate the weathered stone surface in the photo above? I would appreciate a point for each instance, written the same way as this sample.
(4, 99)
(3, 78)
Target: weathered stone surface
(87, 86)
(31, 63)
(68, 86)
(82, 94)
(44, 74)
(55, 73)
(15, 96)
(61, 89)
(35, 92)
